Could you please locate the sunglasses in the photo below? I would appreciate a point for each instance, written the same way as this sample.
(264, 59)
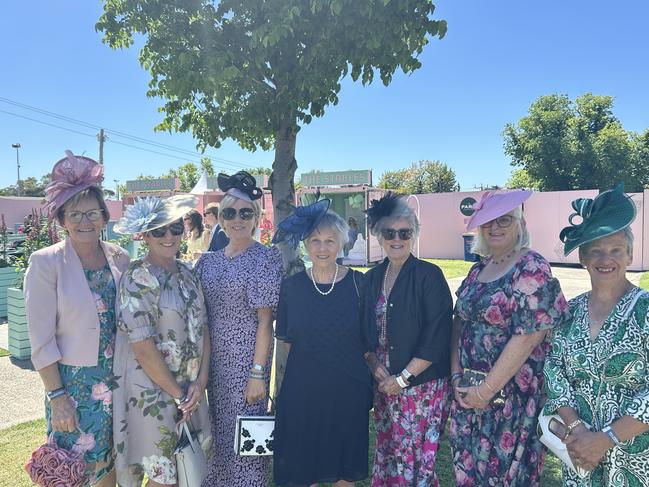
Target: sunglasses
(502, 221)
(391, 233)
(244, 213)
(91, 215)
(175, 228)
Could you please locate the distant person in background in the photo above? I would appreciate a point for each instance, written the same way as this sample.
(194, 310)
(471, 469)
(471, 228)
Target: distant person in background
(198, 240)
(352, 234)
(70, 295)
(218, 238)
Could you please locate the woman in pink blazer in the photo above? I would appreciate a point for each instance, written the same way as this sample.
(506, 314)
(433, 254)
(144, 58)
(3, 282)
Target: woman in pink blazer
(70, 297)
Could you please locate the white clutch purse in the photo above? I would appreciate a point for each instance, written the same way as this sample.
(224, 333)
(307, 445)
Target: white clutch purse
(190, 459)
(556, 445)
(254, 435)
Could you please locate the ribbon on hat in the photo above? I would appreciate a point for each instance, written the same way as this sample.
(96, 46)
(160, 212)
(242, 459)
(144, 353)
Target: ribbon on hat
(243, 181)
(583, 208)
(479, 204)
(70, 174)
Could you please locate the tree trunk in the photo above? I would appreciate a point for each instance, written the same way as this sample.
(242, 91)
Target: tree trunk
(283, 192)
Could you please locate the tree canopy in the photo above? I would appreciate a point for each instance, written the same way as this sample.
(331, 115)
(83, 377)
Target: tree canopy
(565, 145)
(28, 187)
(421, 177)
(520, 179)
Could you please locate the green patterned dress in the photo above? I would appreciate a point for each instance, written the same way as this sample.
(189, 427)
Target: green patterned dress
(604, 380)
(91, 388)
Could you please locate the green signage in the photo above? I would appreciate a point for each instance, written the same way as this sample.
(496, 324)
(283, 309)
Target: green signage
(162, 184)
(336, 178)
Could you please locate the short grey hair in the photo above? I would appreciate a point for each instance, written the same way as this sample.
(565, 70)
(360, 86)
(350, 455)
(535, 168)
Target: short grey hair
(401, 212)
(524, 241)
(229, 201)
(336, 223)
(626, 231)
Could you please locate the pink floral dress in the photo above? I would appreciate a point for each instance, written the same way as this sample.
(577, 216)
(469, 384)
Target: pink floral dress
(408, 427)
(499, 445)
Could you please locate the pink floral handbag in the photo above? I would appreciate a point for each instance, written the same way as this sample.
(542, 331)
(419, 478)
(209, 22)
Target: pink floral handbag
(53, 466)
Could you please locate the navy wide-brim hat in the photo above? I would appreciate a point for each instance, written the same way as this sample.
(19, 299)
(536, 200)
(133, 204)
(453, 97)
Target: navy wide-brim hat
(301, 223)
(610, 212)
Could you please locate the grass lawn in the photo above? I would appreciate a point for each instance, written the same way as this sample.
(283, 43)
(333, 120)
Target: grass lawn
(17, 443)
(450, 268)
(4, 353)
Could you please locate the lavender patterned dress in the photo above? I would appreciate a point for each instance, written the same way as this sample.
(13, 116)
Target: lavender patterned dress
(234, 290)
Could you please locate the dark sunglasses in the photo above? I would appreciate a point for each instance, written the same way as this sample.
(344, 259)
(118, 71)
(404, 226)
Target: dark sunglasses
(502, 221)
(244, 213)
(391, 233)
(175, 228)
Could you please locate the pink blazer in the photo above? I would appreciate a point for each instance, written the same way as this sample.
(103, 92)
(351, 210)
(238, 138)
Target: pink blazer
(61, 313)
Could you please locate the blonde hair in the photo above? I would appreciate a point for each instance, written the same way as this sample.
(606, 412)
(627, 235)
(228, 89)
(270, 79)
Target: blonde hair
(481, 247)
(229, 201)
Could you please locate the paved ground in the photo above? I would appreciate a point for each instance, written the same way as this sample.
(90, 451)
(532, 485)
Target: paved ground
(22, 391)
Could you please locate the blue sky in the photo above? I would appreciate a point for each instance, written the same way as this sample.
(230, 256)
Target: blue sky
(496, 59)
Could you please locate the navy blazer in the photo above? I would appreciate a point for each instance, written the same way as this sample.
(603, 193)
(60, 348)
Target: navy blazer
(219, 239)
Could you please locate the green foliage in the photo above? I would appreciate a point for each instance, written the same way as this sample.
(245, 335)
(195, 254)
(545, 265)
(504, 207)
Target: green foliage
(29, 187)
(421, 177)
(5, 259)
(241, 69)
(43, 233)
(566, 145)
(520, 179)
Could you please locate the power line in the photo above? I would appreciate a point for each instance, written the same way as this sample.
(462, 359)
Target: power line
(118, 134)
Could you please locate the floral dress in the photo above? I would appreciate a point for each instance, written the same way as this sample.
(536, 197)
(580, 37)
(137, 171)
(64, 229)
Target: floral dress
(603, 380)
(408, 426)
(499, 445)
(90, 388)
(169, 308)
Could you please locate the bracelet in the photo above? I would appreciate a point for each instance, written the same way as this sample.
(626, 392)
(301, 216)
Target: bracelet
(455, 376)
(494, 391)
(572, 426)
(477, 391)
(406, 374)
(257, 375)
(180, 400)
(611, 434)
(56, 393)
(402, 383)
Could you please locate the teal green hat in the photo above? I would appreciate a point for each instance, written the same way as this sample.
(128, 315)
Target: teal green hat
(610, 212)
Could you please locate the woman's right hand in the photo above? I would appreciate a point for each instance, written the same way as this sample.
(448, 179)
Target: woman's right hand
(380, 373)
(64, 415)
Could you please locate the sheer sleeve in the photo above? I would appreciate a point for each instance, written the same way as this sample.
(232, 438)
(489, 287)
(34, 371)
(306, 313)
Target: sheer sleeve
(139, 298)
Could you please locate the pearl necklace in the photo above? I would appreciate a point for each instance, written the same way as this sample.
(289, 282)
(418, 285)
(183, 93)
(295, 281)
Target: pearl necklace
(333, 284)
(383, 333)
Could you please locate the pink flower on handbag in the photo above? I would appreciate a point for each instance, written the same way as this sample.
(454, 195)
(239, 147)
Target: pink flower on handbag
(493, 315)
(507, 441)
(524, 377)
(85, 442)
(50, 466)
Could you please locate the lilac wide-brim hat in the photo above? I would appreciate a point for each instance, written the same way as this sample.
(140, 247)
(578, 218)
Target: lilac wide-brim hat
(495, 204)
(70, 176)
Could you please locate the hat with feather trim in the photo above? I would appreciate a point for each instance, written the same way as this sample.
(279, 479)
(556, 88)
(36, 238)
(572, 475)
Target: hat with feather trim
(152, 212)
(301, 223)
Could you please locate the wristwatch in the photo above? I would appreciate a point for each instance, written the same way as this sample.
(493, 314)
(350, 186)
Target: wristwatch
(407, 375)
(611, 434)
(258, 367)
(56, 393)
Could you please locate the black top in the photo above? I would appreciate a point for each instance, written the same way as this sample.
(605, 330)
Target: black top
(419, 317)
(219, 239)
(327, 328)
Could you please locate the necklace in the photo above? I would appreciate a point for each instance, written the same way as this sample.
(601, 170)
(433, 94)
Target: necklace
(506, 257)
(383, 333)
(333, 283)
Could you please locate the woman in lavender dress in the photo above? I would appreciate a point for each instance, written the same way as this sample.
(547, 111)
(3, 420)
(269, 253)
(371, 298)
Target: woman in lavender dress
(241, 287)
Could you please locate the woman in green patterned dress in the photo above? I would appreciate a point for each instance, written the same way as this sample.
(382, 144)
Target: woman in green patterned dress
(160, 347)
(70, 290)
(597, 373)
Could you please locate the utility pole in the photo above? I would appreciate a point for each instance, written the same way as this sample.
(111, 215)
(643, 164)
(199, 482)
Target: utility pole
(101, 138)
(17, 147)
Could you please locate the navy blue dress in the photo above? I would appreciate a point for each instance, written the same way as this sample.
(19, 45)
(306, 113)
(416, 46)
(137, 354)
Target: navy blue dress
(321, 424)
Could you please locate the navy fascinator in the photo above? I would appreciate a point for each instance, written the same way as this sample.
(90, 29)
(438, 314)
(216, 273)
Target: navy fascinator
(299, 225)
(382, 208)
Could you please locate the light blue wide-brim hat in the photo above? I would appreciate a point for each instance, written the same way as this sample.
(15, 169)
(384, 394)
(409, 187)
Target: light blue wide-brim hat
(152, 212)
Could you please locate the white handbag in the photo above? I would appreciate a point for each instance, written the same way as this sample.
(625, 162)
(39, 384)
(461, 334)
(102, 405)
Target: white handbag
(254, 435)
(190, 459)
(556, 445)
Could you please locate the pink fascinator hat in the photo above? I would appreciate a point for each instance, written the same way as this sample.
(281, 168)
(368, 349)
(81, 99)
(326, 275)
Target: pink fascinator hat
(70, 176)
(495, 204)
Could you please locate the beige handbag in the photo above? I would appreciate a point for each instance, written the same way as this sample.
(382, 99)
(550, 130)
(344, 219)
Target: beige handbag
(190, 459)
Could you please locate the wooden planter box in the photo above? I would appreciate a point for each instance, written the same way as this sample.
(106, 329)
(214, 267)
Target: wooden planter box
(8, 278)
(17, 319)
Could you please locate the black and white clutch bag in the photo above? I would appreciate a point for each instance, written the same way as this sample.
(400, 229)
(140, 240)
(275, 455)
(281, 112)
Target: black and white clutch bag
(254, 435)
